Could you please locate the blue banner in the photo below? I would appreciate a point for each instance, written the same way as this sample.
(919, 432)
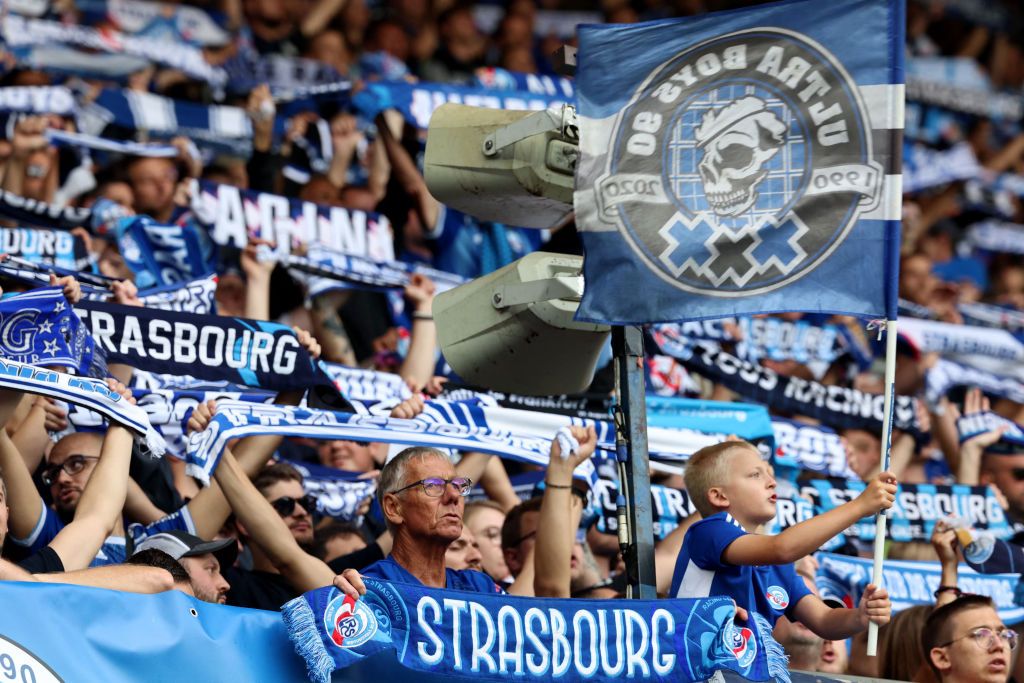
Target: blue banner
(253, 353)
(497, 637)
(844, 578)
(742, 162)
(39, 245)
(77, 634)
(917, 508)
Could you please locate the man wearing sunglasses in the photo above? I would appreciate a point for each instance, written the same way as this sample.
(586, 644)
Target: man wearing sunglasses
(965, 641)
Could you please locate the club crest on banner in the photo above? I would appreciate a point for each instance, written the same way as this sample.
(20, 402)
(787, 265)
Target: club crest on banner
(740, 164)
(349, 623)
(742, 644)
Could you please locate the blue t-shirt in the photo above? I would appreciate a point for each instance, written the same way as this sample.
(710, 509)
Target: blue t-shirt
(456, 579)
(770, 590)
(113, 550)
(469, 247)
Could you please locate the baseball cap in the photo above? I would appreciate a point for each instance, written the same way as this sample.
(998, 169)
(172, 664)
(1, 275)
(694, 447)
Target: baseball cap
(179, 544)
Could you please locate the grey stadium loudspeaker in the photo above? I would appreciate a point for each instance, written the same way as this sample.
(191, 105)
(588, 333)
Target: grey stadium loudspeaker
(513, 330)
(512, 167)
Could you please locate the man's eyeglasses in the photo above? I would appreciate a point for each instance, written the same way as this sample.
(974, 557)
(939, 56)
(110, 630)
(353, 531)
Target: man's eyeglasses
(434, 486)
(985, 637)
(285, 505)
(1017, 473)
(73, 465)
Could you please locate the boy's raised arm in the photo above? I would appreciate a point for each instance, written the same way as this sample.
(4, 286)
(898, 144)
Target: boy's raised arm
(808, 536)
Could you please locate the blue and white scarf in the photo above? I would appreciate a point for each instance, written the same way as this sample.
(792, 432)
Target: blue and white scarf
(323, 270)
(417, 101)
(58, 59)
(482, 635)
(161, 255)
(772, 338)
(970, 426)
(496, 78)
(987, 315)
(233, 216)
(253, 353)
(91, 394)
(138, 149)
(339, 494)
(219, 128)
(22, 32)
(157, 21)
(811, 447)
(195, 296)
(918, 507)
(34, 212)
(924, 167)
(669, 507)
(38, 99)
(996, 236)
(38, 275)
(39, 245)
(928, 336)
(287, 77)
(909, 583)
(371, 386)
(946, 375)
(519, 435)
(169, 409)
(836, 406)
(40, 328)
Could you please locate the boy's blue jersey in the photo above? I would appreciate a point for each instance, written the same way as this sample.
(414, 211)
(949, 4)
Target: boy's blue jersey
(769, 590)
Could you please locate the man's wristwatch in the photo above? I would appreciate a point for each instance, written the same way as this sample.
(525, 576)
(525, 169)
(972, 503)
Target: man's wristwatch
(948, 589)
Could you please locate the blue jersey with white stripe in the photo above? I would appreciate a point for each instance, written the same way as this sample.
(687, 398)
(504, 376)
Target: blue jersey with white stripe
(113, 550)
(769, 590)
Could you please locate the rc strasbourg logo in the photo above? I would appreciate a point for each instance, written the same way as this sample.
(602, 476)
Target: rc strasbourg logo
(350, 623)
(742, 644)
(778, 598)
(741, 163)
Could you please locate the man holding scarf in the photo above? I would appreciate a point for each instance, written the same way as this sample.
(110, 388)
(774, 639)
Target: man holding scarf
(423, 500)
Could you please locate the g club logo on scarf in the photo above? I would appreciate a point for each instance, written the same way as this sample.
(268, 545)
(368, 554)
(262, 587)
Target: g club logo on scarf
(767, 163)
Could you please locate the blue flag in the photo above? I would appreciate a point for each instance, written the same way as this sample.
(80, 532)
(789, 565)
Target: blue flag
(742, 162)
(498, 637)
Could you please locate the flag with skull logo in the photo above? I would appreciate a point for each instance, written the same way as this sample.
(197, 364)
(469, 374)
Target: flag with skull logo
(742, 162)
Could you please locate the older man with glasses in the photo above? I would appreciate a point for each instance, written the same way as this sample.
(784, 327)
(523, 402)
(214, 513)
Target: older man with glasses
(422, 498)
(965, 641)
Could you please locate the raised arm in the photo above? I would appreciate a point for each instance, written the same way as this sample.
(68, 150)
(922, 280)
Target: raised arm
(130, 578)
(26, 505)
(102, 498)
(808, 536)
(209, 509)
(559, 517)
(404, 170)
(303, 571)
(418, 367)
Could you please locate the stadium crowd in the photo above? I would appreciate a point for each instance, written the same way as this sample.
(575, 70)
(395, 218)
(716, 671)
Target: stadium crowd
(83, 506)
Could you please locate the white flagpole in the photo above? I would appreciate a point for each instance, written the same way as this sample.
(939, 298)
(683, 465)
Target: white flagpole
(880, 518)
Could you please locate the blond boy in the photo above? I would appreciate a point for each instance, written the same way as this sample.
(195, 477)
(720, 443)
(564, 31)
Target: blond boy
(732, 487)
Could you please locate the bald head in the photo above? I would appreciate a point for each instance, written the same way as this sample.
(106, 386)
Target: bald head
(71, 463)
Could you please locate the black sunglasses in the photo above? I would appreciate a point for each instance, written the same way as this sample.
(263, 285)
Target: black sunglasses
(285, 506)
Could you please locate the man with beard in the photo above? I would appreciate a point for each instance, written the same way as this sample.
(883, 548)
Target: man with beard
(203, 560)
